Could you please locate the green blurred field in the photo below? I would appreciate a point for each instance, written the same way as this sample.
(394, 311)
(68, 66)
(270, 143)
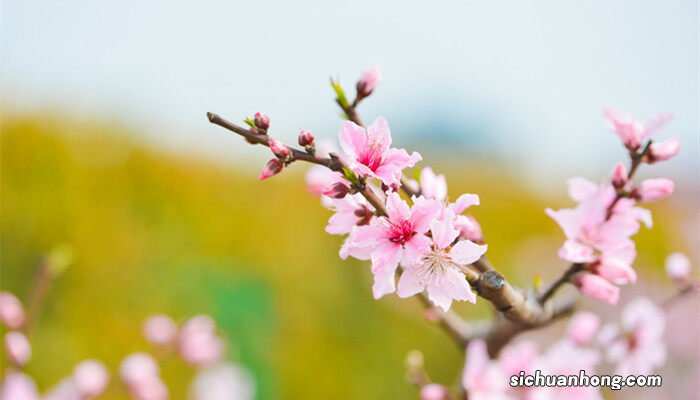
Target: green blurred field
(152, 232)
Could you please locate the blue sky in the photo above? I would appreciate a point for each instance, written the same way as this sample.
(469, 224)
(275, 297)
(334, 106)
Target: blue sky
(521, 80)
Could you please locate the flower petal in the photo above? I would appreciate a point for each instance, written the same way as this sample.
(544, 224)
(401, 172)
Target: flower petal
(466, 252)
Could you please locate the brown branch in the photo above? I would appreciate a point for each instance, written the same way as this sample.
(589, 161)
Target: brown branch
(679, 295)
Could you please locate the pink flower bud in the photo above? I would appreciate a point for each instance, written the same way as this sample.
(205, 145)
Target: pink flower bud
(306, 138)
(261, 121)
(631, 132)
(678, 266)
(598, 288)
(433, 391)
(17, 347)
(91, 378)
(272, 168)
(337, 190)
(619, 176)
(18, 386)
(199, 344)
(662, 151)
(654, 189)
(368, 81)
(616, 271)
(583, 327)
(11, 311)
(160, 330)
(279, 149)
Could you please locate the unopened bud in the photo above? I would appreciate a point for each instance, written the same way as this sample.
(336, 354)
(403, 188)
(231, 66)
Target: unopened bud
(279, 149)
(619, 176)
(678, 266)
(368, 81)
(653, 189)
(337, 190)
(598, 288)
(11, 311)
(662, 151)
(306, 138)
(261, 121)
(433, 391)
(17, 348)
(272, 168)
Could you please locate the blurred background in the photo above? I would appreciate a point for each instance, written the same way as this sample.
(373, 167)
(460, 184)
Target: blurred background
(106, 151)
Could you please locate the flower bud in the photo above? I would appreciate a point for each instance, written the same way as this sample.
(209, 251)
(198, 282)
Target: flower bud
(598, 288)
(91, 378)
(662, 151)
(279, 149)
(337, 190)
(619, 176)
(653, 189)
(616, 271)
(306, 138)
(138, 368)
(583, 327)
(261, 121)
(199, 344)
(11, 311)
(160, 330)
(17, 385)
(17, 347)
(368, 81)
(272, 168)
(678, 266)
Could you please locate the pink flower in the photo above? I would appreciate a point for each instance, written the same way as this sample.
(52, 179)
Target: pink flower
(17, 347)
(91, 378)
(632, 132)
(678, 266)
(433, 391)
(662, 151)
(11, 311)
(590, 233)
(18, 386)
(226, 381)
(368, 81)
(565, 358)
(439, 270)
(350, 211)
(637, 346)
(389, 240)
(199, 344)
(583, 327)
(160, 330)
(483, 378)
(654, 189)
(432, 186)
(467, 225)
(272, 168)
(368, 151)
(518, 357)
(598, 288)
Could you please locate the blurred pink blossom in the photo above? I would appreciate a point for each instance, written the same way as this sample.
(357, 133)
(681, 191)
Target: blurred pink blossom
(654, 189)
(226, 381)
(141, 374)
(17, 347)
(368, 152)
(583, 327)
(678, 266)
(432, 186)
(350, 211)
(598, 288)
(91, 378)
(433, 391)
(483, 378)
(198, 342)
(18, 386)
(11, 310)
(632, 132)
(160, 330)
(662, 151)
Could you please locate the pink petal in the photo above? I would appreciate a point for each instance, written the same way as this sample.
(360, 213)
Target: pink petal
(576, 252)
(410, 283)
(432, 186)
(463, 202)
(353, 139)
(423, 213)
(616, 271)
(447, 286)
(581, 188)
(443, 233)
(656, 123)
(583, 327)
(466, 252)
(397, 209)
(385, 258)
(598, 288)
(416, 249)
(384, 283)
(379, 134)
(569, 221)
(393, 162)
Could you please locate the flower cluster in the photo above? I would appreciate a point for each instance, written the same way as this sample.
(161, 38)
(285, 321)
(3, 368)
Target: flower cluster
(197, 342)
(599, 228)
(429, 239)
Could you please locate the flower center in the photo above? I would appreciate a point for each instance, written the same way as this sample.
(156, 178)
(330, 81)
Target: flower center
(401, 232)
(372, 156)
